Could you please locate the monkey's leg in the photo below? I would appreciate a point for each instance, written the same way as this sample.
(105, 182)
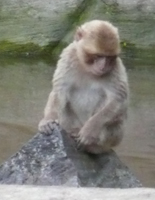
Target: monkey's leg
(114, 134)
(109, 137)
(100, 138)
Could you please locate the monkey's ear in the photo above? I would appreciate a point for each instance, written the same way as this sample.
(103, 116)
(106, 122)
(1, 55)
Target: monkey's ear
(79, 34)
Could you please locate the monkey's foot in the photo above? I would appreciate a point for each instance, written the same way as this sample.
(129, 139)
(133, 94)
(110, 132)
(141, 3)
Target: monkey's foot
(46, 127)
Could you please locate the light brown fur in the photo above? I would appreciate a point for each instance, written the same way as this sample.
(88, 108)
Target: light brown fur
(89, 96)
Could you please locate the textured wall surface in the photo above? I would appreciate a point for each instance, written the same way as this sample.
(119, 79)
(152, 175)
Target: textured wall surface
(34, 21)
(41, 22)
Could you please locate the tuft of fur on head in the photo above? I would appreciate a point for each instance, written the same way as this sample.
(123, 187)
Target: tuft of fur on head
(99, 37)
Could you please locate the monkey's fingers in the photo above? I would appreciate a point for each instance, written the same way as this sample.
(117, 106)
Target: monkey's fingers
(89, 140)
(56, 122)
(79, 145)
(75, 136)
(48, 127)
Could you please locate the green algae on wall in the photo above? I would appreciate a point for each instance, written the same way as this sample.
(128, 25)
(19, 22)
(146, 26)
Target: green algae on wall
(136, 57)
(136, 31)
(8, 48)
(49, 53)
(132, 56)
(14, 49)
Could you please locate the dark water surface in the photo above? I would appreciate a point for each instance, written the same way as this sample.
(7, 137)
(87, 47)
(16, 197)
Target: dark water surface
(24, 88)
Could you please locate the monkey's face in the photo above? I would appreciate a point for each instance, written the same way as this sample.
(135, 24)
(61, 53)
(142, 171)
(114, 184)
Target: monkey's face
(99, 64)
(98, 46)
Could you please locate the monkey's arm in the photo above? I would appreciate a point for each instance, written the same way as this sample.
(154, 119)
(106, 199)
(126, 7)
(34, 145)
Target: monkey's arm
(50, 112)
(114, 111)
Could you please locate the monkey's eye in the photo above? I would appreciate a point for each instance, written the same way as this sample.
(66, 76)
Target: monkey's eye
(112, 57)
(97, 56)
(91, 58)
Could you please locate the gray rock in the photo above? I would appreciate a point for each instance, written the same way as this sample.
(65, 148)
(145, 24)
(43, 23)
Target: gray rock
(53, 160)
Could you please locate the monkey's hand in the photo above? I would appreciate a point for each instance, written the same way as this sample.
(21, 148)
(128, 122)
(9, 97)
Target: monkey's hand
(47, 126)
(89, 138)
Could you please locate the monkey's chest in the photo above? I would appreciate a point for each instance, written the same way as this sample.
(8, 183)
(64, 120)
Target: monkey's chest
(86, 101)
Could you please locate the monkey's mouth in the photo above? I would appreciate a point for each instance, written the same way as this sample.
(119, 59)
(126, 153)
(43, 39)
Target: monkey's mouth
(98, 72)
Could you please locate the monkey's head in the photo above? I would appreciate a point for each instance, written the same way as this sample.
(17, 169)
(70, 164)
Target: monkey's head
(98, 46)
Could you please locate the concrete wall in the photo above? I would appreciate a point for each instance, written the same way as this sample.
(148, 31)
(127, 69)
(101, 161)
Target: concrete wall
(39, 23)
(60, 193)
(36, 21)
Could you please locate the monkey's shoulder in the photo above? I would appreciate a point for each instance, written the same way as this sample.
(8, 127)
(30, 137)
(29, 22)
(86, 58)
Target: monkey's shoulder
(67, 60)
(68, 54)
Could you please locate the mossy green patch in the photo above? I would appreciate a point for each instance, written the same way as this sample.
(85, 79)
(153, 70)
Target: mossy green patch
(14, 49)
(48, 53)
(136, 57)
(110, 8)
(133, 57)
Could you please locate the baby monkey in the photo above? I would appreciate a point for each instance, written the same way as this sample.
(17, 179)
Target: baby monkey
(89, 97)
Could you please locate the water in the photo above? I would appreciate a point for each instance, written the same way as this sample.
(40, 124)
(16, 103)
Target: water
(138, 147)
(24, 89)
